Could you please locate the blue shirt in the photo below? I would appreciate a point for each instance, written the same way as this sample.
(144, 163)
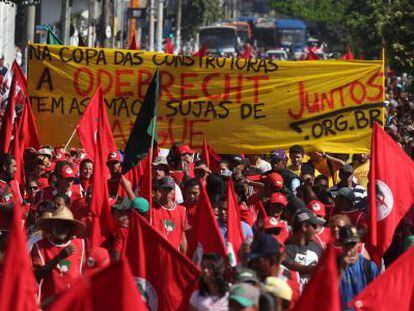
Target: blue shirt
(354, 279)
(247, 230)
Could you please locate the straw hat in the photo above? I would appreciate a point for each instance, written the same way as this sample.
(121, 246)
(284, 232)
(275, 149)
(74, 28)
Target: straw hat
(62, 215)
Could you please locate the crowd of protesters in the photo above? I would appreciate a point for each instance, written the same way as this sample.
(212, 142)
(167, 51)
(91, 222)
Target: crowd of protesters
(310, 199)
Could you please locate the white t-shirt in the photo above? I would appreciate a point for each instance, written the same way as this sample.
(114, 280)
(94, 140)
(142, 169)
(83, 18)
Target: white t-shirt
(206, 303)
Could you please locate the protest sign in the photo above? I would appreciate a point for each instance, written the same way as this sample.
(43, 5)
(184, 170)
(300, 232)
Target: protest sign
(241, 105)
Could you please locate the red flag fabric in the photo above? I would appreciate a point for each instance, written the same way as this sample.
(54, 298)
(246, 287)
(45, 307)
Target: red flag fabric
(392, 290)
(134, 44)
(214, 159)
(311, 55)
(102, 224)
(234, 230)
(205, 155)
(205, 221)
(202, 52)
(322, 291)
(17, 281)
(169, 46)
(25, 130)
(6, 130)
(111, 288)
(88, 126)
(165, 277)
(348, 55)
(247, 53)
(391, 190)
(145, 183)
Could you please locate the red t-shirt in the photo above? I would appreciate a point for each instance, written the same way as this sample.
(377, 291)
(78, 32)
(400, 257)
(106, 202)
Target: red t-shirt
(49, 192)
(191, 211)
(64, 273)
(171, 223)
(10, 193)
(82, 212)
(120, 236)
(323, 237)
(293, 280)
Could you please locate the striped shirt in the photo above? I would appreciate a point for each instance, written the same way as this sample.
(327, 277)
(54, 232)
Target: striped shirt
(359, 192)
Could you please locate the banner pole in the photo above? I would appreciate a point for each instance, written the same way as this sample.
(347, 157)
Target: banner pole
(154, 123)
(70, 138)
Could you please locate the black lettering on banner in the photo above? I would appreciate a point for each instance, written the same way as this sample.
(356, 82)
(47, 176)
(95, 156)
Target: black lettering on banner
(226, 110)
(74, 106)
(333, 122)
(41, 103)
(245, 111)
(62, 56)
(77, 55)
(170, 104)
(257, 111)
(199, 104)
(221, 62)
(123, 106)
(111, 105)
(210, 109)
(210, 62)
(84, 103)
(136, 106)
(45, 78)
(39, 52)
(118, 57)
(183, 111)
(90, 54)
(154, 60)
(57, 103)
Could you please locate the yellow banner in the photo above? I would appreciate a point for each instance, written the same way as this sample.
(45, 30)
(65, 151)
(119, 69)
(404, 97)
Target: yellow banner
(241, 105)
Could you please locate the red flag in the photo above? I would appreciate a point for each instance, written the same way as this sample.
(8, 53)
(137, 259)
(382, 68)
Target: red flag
(88, 126)
(145, 183)
(25, 130)
(392, 290)
(17, 282)
(205, 221)
(102, 220)
(322, 291)
(166, 276)
(348, 55)
(234, 230)
(391, 190)
(205, 155)
(202, 52)
(311, 55)
(134, 44)
(169, 46)
(6, 130)
(247, 53)
(112, 288)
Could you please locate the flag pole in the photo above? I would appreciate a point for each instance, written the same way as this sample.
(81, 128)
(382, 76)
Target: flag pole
(154, 123)
(70, 138)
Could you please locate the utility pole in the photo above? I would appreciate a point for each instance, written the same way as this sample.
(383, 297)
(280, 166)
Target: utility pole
(160, 24)
(65, 13)
(178, 26)
(151, 31)
(30, 22)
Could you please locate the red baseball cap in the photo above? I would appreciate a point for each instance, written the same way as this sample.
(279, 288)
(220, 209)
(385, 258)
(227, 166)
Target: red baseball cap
(66, 172)
(317, 207)
(276, 180)
(279, 198)
(271, 223)
(183, 149)
(114, 156)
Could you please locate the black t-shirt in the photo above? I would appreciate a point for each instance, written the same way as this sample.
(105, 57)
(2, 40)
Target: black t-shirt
(305, 255)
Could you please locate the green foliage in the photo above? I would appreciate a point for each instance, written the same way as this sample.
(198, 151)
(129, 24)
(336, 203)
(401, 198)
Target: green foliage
(197, 13)
(398, 32)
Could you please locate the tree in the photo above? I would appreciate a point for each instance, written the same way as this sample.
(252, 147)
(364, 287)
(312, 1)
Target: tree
(398, 32)
(197, 13)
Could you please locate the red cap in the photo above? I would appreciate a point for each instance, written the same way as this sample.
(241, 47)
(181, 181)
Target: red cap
(317, 207)
(66, 172)
(271, 223)
(278, 197)
(51, 167)
(276, 180)
(98, 258)
(114, 156)
(59, 156)
(183, 149)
